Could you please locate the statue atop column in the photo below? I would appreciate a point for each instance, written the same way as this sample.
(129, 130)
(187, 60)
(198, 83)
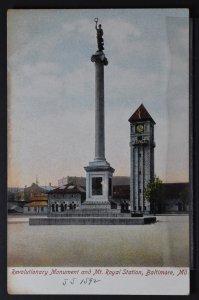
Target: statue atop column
(100, 40)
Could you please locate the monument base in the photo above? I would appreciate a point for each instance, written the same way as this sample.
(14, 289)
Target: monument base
(98, 184)
(92, 221)
(95, 204)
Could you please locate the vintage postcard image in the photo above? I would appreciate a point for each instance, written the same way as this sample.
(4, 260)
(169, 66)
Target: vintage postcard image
(98, 151)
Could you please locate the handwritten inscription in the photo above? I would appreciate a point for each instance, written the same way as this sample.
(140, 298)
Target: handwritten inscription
(84, 281)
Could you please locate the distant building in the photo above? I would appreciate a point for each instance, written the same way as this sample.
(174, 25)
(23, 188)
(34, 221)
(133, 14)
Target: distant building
(66, 197)
(34, 199)
(13, 205)
(15, 189)
(175, 197)
(36, 205)
(117, 180)
(37, 199)
(77, 180)
(72, 179)
(62, 181)
(121, 193)
(121, 180)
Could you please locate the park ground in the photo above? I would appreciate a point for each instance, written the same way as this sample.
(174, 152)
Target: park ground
(164, 244)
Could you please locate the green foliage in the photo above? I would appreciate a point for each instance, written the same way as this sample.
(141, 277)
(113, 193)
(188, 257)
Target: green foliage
(153, 193)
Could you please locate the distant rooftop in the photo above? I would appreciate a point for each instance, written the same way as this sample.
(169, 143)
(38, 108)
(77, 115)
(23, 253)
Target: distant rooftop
(117, 180)
(68, 189)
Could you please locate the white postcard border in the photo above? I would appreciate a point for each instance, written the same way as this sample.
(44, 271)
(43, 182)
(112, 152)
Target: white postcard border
(98, 281)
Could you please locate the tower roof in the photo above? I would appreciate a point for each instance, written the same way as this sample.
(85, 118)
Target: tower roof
(141, 114)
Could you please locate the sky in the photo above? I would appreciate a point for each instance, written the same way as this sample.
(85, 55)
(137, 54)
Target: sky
(51, 90)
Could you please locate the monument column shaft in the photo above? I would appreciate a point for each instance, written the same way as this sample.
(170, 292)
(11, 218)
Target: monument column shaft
(99, 111)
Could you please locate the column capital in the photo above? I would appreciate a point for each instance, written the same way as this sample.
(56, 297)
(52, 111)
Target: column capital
(99, 56)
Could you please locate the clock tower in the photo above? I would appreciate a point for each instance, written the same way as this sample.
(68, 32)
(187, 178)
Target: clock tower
(142, 158)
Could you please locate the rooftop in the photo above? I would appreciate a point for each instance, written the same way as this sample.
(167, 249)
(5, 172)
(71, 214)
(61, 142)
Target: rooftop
(141, 114)
(68, 189)
(37, 203)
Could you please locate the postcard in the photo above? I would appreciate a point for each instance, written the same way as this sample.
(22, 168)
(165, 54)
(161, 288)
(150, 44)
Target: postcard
(98, 151)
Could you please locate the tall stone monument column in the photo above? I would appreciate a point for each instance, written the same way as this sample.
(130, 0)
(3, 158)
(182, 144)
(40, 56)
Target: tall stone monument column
(99, 108)
(100, 61)
(99, 172)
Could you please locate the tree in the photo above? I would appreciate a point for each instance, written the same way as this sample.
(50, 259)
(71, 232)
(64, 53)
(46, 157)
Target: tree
(153, 193)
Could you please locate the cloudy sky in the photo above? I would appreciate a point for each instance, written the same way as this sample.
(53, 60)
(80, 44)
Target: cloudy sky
(51, 90)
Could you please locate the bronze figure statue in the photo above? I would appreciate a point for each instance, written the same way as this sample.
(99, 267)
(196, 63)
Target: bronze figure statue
(100, 40)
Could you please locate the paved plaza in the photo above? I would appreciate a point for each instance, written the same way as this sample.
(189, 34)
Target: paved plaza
(165, 243)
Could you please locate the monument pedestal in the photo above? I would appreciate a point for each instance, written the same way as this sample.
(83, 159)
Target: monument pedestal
(99, 187)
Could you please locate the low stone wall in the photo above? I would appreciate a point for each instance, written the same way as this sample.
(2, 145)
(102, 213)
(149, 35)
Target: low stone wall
(101, 213)
(92, 221)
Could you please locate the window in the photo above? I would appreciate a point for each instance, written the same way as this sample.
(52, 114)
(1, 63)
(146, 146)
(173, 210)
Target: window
(140, 208)
(42, 209)
(139, 138)
(140, 190)
(96, 186)
(135, 207)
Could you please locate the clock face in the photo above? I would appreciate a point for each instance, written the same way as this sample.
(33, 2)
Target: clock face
(139, 128)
